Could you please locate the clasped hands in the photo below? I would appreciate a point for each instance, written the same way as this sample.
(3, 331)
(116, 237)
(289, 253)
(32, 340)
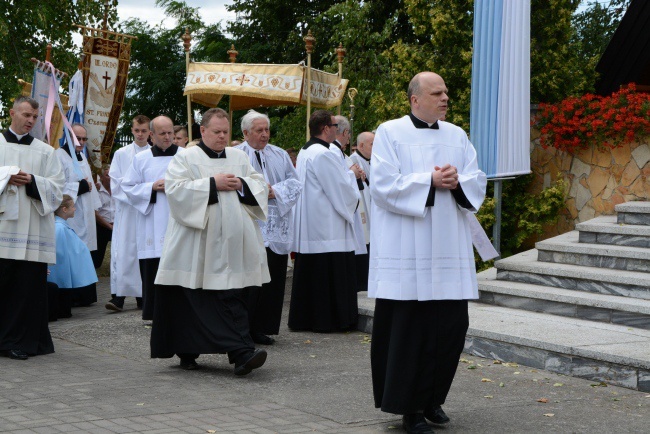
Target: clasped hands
(358, 172)
(227, 182)
(159, 185)
(445, 177)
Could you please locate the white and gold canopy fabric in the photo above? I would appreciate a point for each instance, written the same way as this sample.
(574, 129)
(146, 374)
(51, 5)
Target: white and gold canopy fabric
(251, 85)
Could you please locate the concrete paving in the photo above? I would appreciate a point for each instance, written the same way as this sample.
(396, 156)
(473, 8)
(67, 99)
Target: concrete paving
(101, 380)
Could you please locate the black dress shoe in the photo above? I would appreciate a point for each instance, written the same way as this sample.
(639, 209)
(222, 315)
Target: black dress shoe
(436, 415)
(15, 354)
(255, 360)
(189, 364)
(262, 339)
(416, 424)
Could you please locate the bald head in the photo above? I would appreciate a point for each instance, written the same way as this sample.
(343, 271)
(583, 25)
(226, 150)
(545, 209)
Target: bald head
(162, 132)
(427, 95)
(364, 144)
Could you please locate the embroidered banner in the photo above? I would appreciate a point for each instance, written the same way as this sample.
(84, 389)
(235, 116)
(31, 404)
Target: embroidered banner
(40, 91)
(251, 85)
(105, 69)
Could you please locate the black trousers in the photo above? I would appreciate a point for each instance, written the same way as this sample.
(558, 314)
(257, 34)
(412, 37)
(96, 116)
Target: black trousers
(414, 352)
(265, 303)
(103, 237)
(23, 310)
(362, 263)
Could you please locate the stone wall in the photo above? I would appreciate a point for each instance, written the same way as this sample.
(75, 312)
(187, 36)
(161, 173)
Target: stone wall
(596, 179)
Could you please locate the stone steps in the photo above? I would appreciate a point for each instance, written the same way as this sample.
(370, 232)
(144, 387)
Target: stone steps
(566, 249)
(606, 230)
(632, 312)
(596, 351)
(633, 213)
(525, 268)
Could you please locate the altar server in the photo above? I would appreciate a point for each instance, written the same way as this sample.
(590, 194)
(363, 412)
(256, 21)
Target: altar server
(213, 249)
(31, 185)
(144, 185)
(424, 179)
(125, 269)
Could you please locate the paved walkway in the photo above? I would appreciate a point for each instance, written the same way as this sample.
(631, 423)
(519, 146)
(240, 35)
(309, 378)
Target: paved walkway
(101, 380)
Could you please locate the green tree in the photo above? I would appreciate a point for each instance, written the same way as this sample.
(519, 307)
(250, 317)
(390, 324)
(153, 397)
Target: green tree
(27, 27)
(157, 71)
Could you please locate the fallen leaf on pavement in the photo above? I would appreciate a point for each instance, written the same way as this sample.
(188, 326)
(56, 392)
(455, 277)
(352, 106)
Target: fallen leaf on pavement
(511, 365)
(558, 385)
(486, 380)
(517, 373)
(549, 414)
(543, 400)
(308, 341)
(465, 361)
(211, 431)
(488, 396)
(142, 403)
(311, 355)
(501, 385)
(497, 362)
(601, 384)
(471, 367)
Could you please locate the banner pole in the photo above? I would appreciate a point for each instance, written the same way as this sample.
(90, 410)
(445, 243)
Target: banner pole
(232, 57)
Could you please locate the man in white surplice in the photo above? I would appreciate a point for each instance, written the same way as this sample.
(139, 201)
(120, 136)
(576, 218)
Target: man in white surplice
(323, 295)
(79, 185)
(31, 185)
(424, 179)
(144, 185)
(213, 250)
(265, 303)
(362, 157)
(125, 269)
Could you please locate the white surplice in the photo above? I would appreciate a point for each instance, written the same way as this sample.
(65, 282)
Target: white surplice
(324, 218)
(151, 223)
(279, 172)
(419, 252)
(358, 221)
(217, 246)
(83, 222)
(125, 269)
(29, 234)
(364, 206)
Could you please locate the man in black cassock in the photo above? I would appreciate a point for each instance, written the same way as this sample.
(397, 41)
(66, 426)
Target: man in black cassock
(31, 185)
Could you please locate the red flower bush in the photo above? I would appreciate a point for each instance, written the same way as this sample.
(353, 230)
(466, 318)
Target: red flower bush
(579, 122)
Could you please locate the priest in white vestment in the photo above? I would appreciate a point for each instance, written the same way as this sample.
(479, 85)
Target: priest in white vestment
(79, 185)
(213, 249)
(362, 157)
(323, 295)
(424, 179)
(265, 303)
(31, 185)
(144, 185)
(125, 268)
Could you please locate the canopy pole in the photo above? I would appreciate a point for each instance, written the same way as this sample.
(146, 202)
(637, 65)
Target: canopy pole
(340, 54)
(232, 57)
(187, 38)
(352, 93)
(309, 47)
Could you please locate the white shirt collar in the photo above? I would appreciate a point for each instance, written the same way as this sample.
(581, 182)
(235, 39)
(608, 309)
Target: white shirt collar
(19, 136)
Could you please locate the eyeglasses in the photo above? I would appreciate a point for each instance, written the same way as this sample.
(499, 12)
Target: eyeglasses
(82, 139)
(332, 125)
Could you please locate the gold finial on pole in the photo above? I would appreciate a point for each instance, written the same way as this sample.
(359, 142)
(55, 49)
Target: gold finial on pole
(340, 54)
(187, 39)
(309, 47)
(232, 54)
(48, 53)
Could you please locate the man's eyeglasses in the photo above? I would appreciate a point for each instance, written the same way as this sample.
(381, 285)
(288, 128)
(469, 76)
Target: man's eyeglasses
(332, 125)
(82, 139)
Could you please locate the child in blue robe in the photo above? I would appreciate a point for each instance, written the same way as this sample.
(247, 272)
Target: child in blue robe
(74, 272)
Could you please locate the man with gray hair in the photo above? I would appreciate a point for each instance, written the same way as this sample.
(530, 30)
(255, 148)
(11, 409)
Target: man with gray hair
(265, 303)
(362, 157)
(31, 185)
